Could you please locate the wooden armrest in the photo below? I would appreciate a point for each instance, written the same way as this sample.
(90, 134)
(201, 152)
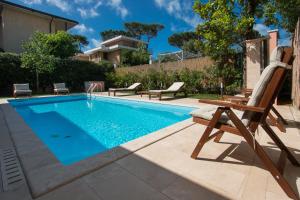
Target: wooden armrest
(232, 105)
(236, 99)
(247, 90)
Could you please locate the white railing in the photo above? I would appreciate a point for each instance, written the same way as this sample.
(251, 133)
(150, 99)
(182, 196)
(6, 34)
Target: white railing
(94, 86)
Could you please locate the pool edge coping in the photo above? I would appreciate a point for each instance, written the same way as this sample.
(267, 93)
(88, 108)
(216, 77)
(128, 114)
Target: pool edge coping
(33, 147)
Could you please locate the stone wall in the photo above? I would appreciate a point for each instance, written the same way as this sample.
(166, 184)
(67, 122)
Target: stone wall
(193, 64)
(296, 68)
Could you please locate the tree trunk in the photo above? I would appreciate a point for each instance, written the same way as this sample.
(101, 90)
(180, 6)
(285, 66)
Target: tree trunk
(37, 80)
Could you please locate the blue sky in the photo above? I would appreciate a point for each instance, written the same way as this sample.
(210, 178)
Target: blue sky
(95, 16)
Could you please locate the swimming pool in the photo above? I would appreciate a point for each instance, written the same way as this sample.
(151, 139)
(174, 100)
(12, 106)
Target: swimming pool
(77, 127)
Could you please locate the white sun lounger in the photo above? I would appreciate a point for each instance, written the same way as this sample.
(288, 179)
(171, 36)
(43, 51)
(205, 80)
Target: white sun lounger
(173, 89)
(60, 88)
(22, 89)
(134, 87)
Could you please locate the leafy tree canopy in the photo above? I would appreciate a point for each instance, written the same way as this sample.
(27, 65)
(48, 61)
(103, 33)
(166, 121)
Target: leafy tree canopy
(81, 41)
(36, 55)
(289, 11)
(221, 28)
(42, 51)
(228, 23)
(61, 44)
(138, 57)
(178, 39)
(191, 46)
(134, 29)
(108, 34)
(138, 30)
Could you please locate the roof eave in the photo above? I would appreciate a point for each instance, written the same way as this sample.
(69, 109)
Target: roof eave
(38, 11)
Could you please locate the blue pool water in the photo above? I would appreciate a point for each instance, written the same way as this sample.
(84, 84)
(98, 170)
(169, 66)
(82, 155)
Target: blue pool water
(77, 127)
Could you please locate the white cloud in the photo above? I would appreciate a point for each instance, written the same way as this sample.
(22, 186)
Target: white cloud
(61, 4)
(91, 6)
(82, 29)
(261, 28)
(30, 2)
(83, 1)
(119, 7)
(87, 13)
(192, 21)
(95, 42)
(180, 9)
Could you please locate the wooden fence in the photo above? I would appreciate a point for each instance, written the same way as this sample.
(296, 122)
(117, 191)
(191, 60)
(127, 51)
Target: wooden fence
(193, 64)
(296, 68)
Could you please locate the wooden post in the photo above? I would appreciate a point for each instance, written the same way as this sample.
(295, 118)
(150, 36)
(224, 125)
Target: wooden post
(296, 68)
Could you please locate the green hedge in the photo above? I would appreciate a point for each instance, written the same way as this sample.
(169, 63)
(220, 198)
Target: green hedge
(75, 72)
(11, 72)
(72, 72)
(205, 81)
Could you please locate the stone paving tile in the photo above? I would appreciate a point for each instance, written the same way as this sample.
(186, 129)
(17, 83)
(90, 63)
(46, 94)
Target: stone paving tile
(77, 190)
(20, 193)
(153, 174)
(183, 189)
(113, 183)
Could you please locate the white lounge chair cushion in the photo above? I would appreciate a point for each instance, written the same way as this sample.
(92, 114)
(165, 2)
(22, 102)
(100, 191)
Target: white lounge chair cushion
(59, 86)
(175, 86)
(260, 88)
(116, 89)
(112, 89)
(156, 91)
(239, 95)
(23, 91)
(21, 87)
(61, 90)
(263, 82)
(276, 54)
(133, 86)
(207, 112)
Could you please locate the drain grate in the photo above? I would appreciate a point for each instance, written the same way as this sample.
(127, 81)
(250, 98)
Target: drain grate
(12, 176)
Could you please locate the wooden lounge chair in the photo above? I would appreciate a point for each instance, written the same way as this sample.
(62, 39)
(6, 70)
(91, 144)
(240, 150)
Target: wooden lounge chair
(134, 87)
(22, 89)
(274, 117)
(244, 120)
(173, 89)
(60, 88)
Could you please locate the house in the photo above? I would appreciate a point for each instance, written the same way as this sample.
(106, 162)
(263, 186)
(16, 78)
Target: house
(111, 49)
(18, 23)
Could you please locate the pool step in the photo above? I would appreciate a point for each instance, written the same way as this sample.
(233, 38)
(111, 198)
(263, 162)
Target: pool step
(12, 175)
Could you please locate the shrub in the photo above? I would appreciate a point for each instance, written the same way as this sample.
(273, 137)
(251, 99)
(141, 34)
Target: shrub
(73, 72)
(205, 81)
(11, 72)
(135, 57)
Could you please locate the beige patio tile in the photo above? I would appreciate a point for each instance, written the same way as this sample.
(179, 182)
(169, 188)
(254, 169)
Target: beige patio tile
(273, 196)
(156, 176)
(183, 189)
(113, 183)
(273, 187)
(77, 190)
